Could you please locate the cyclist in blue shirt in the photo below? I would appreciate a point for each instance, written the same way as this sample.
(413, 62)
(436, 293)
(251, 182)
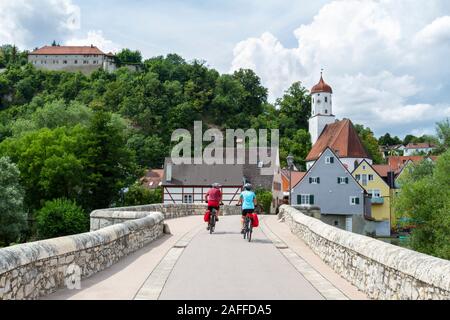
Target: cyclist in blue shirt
(248, 201)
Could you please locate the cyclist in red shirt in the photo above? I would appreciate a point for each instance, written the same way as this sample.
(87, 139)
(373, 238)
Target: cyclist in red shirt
(214, 198)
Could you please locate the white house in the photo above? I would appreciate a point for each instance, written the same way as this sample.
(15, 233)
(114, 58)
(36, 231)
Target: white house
(85, 59)
(417, 148)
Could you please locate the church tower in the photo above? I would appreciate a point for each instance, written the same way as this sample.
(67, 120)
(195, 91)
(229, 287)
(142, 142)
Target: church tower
(322, 112)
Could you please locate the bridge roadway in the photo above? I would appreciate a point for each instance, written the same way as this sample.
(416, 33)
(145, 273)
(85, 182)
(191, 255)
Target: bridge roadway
(191, 264)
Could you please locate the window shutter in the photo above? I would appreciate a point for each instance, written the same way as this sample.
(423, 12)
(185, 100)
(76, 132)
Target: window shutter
(299, 199)
(357, 200)
(311, 199)
(339, 180)
(331, 159)
(346, 180)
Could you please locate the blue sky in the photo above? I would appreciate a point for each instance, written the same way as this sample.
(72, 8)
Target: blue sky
(387, 60)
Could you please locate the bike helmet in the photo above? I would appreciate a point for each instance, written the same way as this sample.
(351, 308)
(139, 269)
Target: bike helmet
(248, 186)
(216, 186)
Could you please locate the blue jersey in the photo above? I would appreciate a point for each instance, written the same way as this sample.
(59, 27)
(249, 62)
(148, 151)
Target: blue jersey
(247, 200)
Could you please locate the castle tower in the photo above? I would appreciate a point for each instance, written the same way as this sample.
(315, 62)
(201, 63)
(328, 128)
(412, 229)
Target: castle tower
(322, 112)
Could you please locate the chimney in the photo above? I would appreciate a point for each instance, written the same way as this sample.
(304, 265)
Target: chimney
(169, 172)
(391, 179)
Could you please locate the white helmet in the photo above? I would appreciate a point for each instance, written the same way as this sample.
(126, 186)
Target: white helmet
(248, 186)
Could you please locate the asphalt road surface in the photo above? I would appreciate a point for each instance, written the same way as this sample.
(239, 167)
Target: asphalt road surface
(224, 266)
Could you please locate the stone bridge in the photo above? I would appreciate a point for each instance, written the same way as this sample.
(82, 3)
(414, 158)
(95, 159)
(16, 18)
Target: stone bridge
(164, 252)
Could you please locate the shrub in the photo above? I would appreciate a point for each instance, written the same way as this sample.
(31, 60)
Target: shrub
(61, 217)
(264, 199)
(138, 195)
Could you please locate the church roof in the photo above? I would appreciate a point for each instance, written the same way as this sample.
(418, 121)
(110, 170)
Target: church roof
(321, 87)
(342, 138)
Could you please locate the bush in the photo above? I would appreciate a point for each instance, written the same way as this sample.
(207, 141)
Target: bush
(264, 199)
(61, 217)
(12, 217)
(137, 195)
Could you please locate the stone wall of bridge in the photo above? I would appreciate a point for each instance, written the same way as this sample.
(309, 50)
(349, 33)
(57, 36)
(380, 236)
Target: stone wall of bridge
(108, 217)
(379, 269)
(36, 269)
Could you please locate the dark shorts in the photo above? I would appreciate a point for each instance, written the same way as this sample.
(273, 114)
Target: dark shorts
(247, 211)
(210, 208)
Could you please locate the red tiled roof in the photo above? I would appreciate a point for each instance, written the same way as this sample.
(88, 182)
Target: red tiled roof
(397, 162)
(296, 177)
(382, 169)
(342, 138)
(67, 50)
(152, 178)
(321, 87)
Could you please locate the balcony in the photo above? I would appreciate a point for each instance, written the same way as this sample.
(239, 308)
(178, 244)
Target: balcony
(377, 200)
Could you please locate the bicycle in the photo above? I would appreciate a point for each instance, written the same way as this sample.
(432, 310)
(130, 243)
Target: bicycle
(248, 228)
(212, 221)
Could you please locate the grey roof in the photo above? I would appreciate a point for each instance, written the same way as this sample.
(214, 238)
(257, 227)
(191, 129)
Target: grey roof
(225, 174)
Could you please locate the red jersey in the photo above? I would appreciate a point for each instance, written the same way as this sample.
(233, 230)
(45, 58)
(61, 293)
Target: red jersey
(214, 197)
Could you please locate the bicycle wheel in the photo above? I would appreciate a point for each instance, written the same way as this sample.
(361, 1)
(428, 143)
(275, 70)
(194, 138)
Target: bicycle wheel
(212, 222)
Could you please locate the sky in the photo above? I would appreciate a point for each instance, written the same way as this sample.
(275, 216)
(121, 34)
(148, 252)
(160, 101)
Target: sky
(388, 61)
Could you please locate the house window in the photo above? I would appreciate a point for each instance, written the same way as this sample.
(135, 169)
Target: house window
(376, 193)
(358, 177)
(326, 100)
(370, 177)
(354, 201)
(76, 61)
(326, 111)
(314, 180)
(187, 198)
(85, 62)
(329, 160)
(64, 61)
(342, 180)
(305, 199)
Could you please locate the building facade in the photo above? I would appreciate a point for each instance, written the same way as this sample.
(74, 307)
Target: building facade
(418, 148)
(85, 59)
(378, 188)
(328, 184)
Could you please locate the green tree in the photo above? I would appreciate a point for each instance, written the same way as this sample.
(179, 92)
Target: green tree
(370, 143)
(294, 109)
(61, 217)
(12, 217)
(387, 140)
(443, 134)
(425, 197)
(299, 145)
(138, 195)
(109, 164)
(264, 199)
(150, 151)
(128, 56)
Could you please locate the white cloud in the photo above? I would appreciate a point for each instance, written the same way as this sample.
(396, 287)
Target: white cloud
(29, 23)
(382, 58)
(437, 32)
(95, 38)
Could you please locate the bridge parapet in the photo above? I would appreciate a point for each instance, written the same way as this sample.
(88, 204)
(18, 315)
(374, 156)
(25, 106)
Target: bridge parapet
(108, 217)
(379, 269)
(32, 270)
